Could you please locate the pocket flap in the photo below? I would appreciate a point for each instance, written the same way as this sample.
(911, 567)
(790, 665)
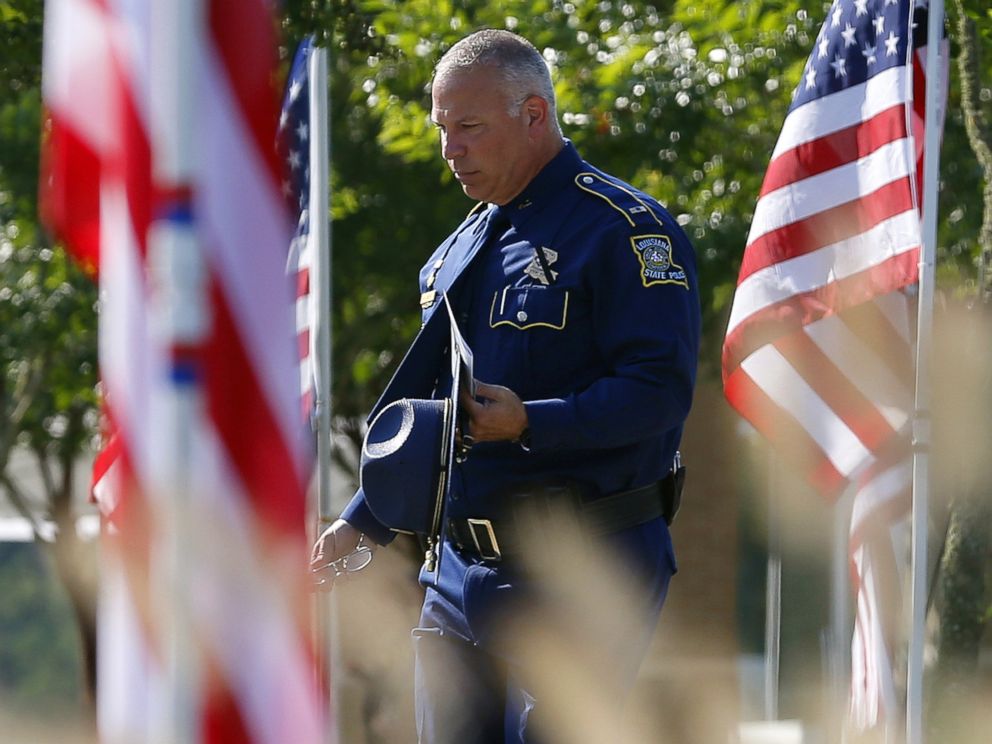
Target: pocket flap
(530, 307)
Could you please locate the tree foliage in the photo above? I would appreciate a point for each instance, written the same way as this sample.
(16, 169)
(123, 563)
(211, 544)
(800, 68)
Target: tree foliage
(47, 325)
(685, 98)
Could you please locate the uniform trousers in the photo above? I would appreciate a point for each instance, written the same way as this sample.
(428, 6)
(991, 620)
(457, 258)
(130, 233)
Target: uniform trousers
(474, 680)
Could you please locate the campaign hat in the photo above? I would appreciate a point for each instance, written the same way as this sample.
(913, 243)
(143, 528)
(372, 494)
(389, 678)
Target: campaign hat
(404, 463)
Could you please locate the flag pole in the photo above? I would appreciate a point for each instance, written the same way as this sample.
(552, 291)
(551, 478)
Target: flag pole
(921, 417)
(773, 591)
(179, 318)
(840, 610)
(320, 231)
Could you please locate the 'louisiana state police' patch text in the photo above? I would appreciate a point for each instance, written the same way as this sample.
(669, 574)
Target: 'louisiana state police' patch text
(657, 264)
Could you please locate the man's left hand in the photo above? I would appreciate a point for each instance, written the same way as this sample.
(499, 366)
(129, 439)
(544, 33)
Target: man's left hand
(496, 414)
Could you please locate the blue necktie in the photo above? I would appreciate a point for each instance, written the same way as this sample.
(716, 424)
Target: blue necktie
(417, 374)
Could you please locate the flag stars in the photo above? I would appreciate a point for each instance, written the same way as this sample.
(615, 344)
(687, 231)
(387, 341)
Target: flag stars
(294, 90)
(840, 66)
(869, 53)
(891, 44)
(303, 131)
(835, 19)
(848, 35)
(879, 24)
(861, 7)
(824, 47)
(811, 78)
(294, 160)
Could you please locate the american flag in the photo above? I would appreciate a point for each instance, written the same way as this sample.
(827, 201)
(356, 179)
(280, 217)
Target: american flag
(818, 351)
(293, 143)
(104, 193)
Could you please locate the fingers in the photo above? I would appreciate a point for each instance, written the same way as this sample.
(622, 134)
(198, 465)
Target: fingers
(465, 399)
(321, 545)
(493, 392)
(334, 542)
(500, 416)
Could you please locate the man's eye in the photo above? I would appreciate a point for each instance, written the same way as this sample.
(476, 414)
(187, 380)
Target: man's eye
(470, 125)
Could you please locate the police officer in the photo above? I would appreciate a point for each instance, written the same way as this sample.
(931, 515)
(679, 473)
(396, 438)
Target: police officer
(577, 294)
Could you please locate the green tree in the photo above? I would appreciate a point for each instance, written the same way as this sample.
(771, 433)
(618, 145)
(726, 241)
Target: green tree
(964, 597)
(652, 92)
(47, 329)
(685, 99)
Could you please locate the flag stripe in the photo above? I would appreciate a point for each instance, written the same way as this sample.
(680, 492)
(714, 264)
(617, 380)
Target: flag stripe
(791, 312)
(823, 116)
(837, 391)
(887, 245)
(251, 215)
(784, 431)
(303, 342)
(802, 199)
(236, 398)
(790, 391)
(303, 282)
(831, 226)
(883, 327)
(884, 496)
(237, 25)
(848, 344)
(835, 149)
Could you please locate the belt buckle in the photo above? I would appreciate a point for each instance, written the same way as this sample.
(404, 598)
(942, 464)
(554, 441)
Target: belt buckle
(484, 527)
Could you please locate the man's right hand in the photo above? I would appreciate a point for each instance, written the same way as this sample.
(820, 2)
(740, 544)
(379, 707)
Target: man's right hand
(333, 543)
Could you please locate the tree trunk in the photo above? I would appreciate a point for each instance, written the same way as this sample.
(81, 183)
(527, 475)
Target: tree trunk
(75, 560)
(76, 567)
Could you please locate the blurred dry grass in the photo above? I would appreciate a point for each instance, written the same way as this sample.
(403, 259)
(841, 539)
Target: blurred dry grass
(677, 700)
(687, 691)
(16, 728)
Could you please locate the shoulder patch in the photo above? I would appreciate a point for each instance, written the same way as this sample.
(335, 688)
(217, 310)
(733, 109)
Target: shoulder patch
(657, 263)
(622, 198)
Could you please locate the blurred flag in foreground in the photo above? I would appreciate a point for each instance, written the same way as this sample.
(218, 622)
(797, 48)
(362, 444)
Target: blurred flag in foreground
(819, 347)
(236, 584)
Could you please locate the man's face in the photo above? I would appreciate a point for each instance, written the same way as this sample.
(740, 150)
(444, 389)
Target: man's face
(491, 153)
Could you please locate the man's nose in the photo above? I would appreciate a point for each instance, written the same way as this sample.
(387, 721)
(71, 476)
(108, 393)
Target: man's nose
(451, 146)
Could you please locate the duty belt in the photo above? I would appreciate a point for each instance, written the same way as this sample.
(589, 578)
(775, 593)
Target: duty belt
(494, 539)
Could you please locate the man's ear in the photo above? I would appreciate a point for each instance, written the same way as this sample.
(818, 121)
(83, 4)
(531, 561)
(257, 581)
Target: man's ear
(536, 111)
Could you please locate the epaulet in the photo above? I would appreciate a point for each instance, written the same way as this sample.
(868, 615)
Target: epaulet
(636, 211)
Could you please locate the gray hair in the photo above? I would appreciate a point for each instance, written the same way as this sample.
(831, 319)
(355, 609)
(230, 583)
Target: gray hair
(521, 67)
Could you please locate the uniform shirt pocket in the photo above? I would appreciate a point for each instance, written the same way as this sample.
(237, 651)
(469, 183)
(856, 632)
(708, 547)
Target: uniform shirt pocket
(525, 308)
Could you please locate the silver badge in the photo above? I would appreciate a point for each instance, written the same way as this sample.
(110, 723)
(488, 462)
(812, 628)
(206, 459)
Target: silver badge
(536, 271)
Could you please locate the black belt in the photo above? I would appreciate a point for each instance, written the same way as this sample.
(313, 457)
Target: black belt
(492, 540)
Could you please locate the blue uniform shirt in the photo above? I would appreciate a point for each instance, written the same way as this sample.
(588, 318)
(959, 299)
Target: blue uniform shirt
(598, 335)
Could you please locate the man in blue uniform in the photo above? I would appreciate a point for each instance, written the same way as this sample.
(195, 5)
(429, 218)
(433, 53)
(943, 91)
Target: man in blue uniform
(577, 294)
